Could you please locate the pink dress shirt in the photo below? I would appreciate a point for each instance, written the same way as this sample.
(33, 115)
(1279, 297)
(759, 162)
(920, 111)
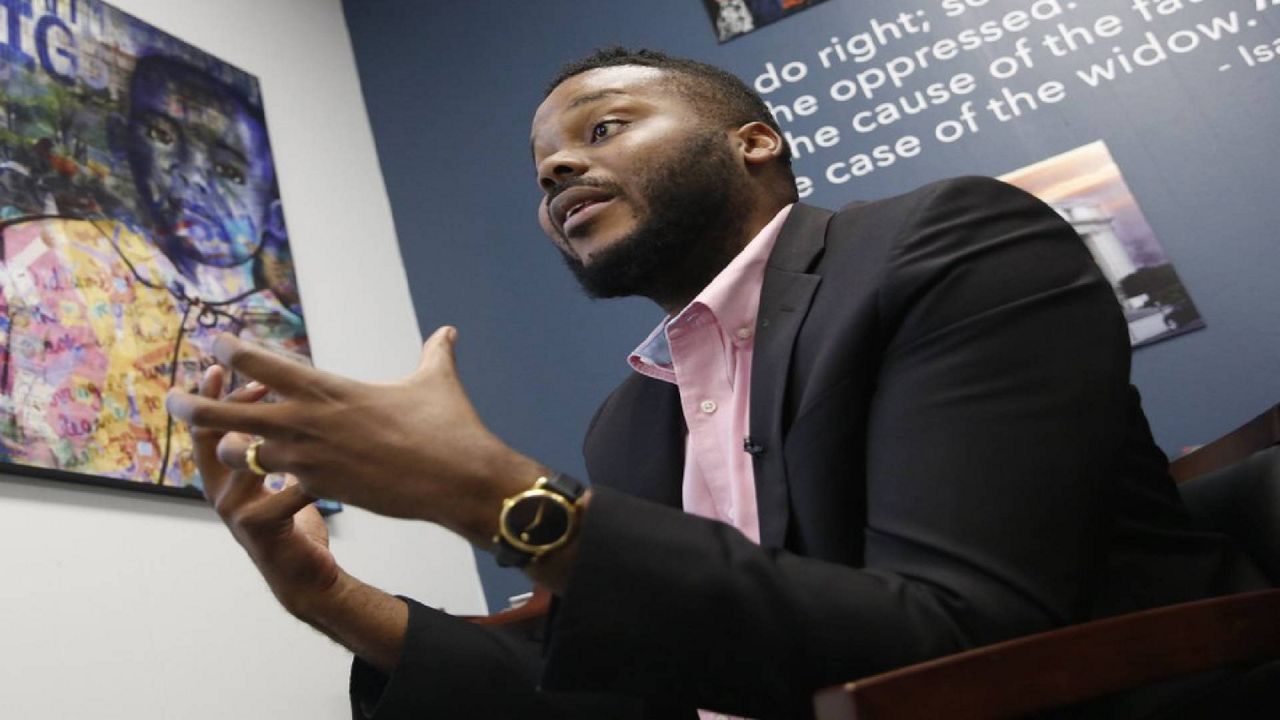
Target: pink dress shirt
(705, 350)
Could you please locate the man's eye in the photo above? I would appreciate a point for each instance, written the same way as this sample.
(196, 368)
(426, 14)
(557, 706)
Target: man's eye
(160, 135)
(229, 173)
(604, 129)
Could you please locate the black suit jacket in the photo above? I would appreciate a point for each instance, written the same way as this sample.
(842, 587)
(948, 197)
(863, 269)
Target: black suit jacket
(948, 453)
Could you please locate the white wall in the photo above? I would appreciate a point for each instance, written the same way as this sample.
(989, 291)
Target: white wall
(122, 605)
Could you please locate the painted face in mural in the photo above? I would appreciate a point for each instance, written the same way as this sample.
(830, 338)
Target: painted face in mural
(201, 163)
(642, 194)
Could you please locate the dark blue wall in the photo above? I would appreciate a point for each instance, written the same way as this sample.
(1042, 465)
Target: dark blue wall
(451, 87)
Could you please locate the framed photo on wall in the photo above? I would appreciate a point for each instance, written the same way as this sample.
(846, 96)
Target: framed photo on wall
(734, 18)
(1087, 188)
(140, 217)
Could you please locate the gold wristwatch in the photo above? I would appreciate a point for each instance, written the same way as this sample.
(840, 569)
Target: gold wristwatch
(538, 520)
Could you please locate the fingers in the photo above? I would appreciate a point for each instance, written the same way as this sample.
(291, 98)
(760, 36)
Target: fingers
(249, 503)
(211, 382)
(250, 393)
(233, 451)
(238, 412)
(205, 439)
(287, 502)
(437, 351)
(247, 487)
(238, 495)
(277, 372)
(213, 473)
(240, 488)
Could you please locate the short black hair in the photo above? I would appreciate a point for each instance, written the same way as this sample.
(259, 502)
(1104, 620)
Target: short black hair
(735, 103)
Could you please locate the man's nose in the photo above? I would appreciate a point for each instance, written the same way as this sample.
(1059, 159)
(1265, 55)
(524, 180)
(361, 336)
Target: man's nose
(558, 167)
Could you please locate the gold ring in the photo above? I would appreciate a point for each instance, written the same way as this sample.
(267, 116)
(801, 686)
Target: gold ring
(251, 457)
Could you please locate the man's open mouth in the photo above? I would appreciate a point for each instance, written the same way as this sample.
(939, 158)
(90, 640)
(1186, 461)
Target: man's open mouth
(578, 208)
(575, 205)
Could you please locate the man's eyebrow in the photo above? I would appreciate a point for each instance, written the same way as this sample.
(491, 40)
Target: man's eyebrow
(592, 97)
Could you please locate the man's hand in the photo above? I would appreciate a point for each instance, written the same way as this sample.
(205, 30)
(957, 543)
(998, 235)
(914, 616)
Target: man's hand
(414, 448)
(289, 543)
(283, 533)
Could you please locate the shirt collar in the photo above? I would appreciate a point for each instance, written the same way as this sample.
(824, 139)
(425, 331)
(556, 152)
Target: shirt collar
(732, 297)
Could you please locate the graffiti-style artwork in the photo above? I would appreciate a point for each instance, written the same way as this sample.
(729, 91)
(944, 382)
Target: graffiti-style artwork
(1087, 189)
(732, 18)
(141, 218)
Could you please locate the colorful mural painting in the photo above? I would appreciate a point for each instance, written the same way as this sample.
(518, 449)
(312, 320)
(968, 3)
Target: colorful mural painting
(141, 217)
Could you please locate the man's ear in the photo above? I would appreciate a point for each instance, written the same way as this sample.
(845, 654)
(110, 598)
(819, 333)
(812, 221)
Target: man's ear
(758, 143)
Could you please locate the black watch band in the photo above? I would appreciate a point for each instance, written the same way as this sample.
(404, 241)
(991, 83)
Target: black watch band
(538, 520)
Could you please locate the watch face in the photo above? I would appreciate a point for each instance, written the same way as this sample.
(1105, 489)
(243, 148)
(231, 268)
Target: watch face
(537, 520)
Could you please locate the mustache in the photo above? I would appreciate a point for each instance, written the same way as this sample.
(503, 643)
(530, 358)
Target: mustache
(558, 188)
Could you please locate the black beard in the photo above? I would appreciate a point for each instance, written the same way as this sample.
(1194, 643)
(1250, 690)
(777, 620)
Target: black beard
(697, 202)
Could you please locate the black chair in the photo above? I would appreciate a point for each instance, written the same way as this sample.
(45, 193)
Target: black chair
(1231, 485)
(1242, 498)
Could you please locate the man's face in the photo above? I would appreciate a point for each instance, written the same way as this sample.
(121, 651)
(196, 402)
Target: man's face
(640, 188)
(202, 166)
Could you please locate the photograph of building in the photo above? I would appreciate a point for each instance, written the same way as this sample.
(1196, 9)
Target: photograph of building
(1087, 188)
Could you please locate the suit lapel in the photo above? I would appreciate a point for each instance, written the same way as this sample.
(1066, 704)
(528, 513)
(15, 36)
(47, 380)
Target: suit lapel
(784, 300)
(636, 444)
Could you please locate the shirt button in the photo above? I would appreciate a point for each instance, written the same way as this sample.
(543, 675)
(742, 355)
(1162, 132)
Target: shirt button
(708, 406)
(743, 333)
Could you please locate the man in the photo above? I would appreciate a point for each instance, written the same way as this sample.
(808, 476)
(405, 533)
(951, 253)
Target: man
(102, 316)
(861, 439)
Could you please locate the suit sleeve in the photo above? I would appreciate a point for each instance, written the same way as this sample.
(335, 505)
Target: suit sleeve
(451, 669)
(998, 400)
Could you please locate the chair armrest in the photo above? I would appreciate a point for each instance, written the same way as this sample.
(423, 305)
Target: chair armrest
(1070, 665)
(1258, 434)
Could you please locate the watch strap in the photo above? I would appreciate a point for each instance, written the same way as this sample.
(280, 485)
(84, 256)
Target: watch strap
(567, 487)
